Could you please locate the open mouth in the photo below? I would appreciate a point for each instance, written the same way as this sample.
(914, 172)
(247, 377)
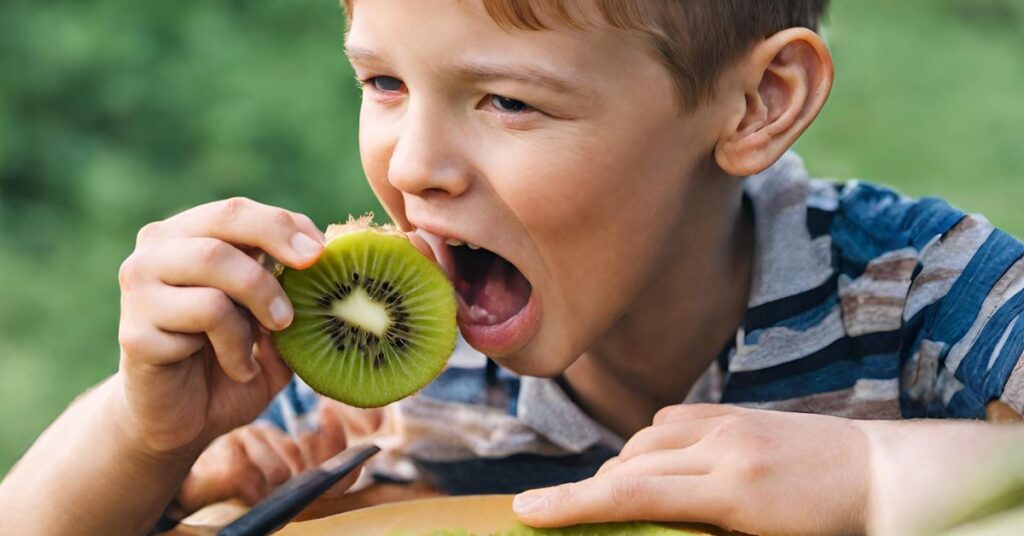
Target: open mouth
(498, 311)
(491, 290)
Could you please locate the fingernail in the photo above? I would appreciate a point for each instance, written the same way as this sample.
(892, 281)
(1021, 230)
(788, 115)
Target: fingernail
(304, 245)
(281, 312)
(529, 502)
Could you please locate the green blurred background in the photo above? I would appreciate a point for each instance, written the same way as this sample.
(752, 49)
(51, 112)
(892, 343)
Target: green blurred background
(115, 113)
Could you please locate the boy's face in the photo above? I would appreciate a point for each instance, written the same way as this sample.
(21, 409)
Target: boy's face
(563, 152)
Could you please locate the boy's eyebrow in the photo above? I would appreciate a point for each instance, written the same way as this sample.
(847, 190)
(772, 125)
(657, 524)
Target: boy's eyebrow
(489, 71)
(521, 73)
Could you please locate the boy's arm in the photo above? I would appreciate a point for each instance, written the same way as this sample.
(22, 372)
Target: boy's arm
(83, 475)
(196, 361)
(767, 472)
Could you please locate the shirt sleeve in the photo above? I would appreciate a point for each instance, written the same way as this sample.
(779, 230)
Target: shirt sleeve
(293, 410)
(963, 335)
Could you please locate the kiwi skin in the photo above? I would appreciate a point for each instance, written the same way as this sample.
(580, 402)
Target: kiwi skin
(397, 331)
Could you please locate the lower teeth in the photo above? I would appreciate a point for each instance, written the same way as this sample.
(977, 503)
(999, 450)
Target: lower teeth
(478, 314)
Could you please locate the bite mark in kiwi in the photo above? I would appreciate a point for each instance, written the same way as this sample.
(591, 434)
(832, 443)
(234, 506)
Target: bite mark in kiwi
(374, 318)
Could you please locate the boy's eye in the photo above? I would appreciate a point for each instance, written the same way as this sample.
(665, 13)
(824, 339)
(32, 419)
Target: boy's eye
(386, 84)
(508, 105)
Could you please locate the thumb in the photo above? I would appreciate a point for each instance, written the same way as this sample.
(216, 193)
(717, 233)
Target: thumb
(568, 504)
(601, 499)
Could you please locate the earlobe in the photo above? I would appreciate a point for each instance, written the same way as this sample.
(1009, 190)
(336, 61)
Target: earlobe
(784, 81)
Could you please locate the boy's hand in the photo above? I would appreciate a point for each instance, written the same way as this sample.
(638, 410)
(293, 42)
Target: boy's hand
(249, 462)
(762, 472)
(195, 362)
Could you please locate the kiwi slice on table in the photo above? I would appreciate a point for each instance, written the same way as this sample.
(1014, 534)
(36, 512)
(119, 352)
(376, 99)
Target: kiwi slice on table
(374, 318)
(598, 529)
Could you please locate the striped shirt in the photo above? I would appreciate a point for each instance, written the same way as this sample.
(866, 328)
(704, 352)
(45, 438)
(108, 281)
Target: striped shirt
(864, 304)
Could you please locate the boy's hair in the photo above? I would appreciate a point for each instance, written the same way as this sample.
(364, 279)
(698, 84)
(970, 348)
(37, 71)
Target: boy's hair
(695, 39)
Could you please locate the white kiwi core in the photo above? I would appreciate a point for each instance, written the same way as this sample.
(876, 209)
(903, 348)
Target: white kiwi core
(360, 310)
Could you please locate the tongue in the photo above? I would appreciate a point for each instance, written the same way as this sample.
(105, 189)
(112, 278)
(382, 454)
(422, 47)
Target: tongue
(498, 295)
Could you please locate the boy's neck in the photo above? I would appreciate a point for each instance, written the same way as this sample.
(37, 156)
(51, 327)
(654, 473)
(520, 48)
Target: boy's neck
(678, 325)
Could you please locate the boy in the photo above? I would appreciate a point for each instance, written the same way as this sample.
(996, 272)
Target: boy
(592, 150)
(576, 167)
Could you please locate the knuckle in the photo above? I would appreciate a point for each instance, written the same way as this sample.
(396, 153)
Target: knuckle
(253, 278)
(682, 412)
(148, 231)
(216, 307)
(130, 272)
(640, 442)
(132, 340)
(746, 466)
(210, 250)
(282, 218)
(628, 490)
(233, 206)
(729, 428)
(673, 413)
(252, 485)
(278, 473)
(306, 220)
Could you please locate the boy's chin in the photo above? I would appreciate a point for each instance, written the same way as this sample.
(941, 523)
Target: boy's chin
(533, 362)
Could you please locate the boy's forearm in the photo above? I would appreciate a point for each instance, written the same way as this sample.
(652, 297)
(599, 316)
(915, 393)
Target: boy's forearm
(917, 468)
(83, 477)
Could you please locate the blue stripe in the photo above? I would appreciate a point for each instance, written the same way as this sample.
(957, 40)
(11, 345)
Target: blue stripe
(931, 217)
(873, 220)
(807, 319)
(457, 384)
(981, 383)
(844, 349)
(773, 312)
(512, 474)
(819, 221)
(1006, 361)
(960, 306)
(974, 367)
(841, 375)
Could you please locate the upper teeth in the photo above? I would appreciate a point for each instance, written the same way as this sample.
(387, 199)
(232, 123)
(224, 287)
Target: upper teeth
(456, 243)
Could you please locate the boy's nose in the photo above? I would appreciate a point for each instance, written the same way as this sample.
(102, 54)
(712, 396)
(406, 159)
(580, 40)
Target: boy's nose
(427, 158)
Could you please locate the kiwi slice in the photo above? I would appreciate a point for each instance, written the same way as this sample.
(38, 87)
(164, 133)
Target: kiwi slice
(374, 318)
(636, 528)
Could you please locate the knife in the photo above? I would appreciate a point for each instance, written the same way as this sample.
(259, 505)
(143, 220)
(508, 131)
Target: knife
(293, 496)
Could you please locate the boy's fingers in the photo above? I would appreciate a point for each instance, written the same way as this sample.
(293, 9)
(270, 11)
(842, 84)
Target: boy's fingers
(208, 262)
(691, 412)
(332, 430)
(144, 343)
(232, 344)
(274, 468)
(667, 436)
(288, 237)
(274, 368)
(207, 310)
(222, 472)
(596, 500)
(285, 448)
(658, 463)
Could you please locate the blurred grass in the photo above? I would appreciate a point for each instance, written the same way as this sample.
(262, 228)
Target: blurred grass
(115, 113)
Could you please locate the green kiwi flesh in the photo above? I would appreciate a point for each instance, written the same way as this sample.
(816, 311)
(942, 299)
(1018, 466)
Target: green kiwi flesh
(374, 318)
(597, 529)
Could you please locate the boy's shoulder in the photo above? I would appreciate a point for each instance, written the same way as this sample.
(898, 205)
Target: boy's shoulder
(865, 302)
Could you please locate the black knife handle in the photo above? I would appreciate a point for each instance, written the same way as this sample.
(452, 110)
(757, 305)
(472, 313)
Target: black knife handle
(286, 502)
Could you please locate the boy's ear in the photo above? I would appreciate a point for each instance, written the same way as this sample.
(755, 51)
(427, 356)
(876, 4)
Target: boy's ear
(784, 81)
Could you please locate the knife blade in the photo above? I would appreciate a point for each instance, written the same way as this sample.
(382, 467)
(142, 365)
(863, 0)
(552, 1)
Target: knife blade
(284, 503)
